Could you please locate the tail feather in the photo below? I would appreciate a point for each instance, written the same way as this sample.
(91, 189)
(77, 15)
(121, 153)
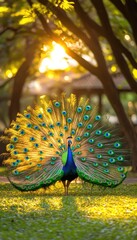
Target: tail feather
(37, 140)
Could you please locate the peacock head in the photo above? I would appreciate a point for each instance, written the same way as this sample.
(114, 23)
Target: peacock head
(69, 141)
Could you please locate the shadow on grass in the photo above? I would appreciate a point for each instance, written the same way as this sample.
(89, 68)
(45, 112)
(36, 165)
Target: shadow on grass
(76, 189)
(85, 214)
(50, 215)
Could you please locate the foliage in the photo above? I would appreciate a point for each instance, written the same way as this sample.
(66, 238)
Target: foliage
(100, 35)
(85, 214)
(2, 171)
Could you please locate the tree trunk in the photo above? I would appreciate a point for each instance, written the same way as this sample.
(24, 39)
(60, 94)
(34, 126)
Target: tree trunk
(126, 126)
(19, 81)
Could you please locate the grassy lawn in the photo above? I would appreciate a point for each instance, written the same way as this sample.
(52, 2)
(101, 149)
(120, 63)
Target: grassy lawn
(85, 214)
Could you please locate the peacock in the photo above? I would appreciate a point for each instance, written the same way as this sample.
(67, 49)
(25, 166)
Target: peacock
(61, 139)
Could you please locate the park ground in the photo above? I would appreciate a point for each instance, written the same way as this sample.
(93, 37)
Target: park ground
(87, 213)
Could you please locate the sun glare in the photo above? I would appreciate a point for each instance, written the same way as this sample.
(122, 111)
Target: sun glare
(135, 73)
(9, 73)
(56, 61)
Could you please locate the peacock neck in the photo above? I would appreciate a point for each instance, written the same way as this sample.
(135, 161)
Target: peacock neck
(70, 167)
(70, 156)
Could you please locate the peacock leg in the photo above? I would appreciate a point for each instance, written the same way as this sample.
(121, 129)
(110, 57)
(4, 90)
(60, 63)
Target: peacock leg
(65, 187)
(68, 183)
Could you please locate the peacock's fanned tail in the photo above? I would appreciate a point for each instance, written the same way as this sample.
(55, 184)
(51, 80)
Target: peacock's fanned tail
(38, 143)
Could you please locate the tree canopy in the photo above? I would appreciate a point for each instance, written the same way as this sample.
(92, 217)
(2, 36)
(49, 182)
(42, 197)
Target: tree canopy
(103, 30)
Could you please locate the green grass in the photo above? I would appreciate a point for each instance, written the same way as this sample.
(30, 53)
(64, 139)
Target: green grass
(85, 214)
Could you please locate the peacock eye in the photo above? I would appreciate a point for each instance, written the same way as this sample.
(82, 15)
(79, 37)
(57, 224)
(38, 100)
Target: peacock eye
(78, 139)
(17, 127)
(18, 161)
(51, 126)
(95, 164)
(57, 104)
(40, 115)
(112, 160)
(100, 145)
(88, 108)
(117, 145)
(107, 135)
(64, 113)
(91, 150)
(110, 152)
(123, 175)
(65, 128)
(98, 132)
(86, 134)
(43, 124)
(58, 124)
(106, 170)
(91, 140)
(120, 169)
(36, 127)
(15, 172)
(15, 152)
(120, 158)
(49, 110)
(36, 145)
(89, 126)
(98, 117)
(25, 150)
(44, 138)
(99, 156)
(80, 124)
(50, 145)
(29, 125)
(69, 120)
(28, 115)
(79, 109)
(14, 139)
(32, 139)
(61, 134)
(73, 131)
(105, 164)
(22, 132)
(10, 146)
(86, 117)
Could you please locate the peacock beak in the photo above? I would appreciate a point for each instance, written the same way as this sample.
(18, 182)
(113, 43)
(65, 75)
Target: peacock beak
(69, 143)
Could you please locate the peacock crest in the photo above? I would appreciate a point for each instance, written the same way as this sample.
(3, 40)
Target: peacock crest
(62, 139)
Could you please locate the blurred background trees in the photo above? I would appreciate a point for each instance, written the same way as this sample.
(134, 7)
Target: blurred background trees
(52, 42)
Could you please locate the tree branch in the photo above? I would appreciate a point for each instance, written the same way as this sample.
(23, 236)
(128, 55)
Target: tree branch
(128, 10)
(90, 67)
(69, 24)
(6, 82)
(8, 28)
(90, 25)
(102, 13)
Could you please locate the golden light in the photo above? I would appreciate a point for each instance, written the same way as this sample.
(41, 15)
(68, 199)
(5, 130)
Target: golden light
(127, 37)
(56, 61)
(134, 73)
(113, 69)
(109, 57)
(67, 78)
(44, 48)
(9, 73)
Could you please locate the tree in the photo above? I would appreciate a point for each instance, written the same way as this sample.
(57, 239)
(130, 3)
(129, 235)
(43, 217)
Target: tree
(92, 24)
(90, 34)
